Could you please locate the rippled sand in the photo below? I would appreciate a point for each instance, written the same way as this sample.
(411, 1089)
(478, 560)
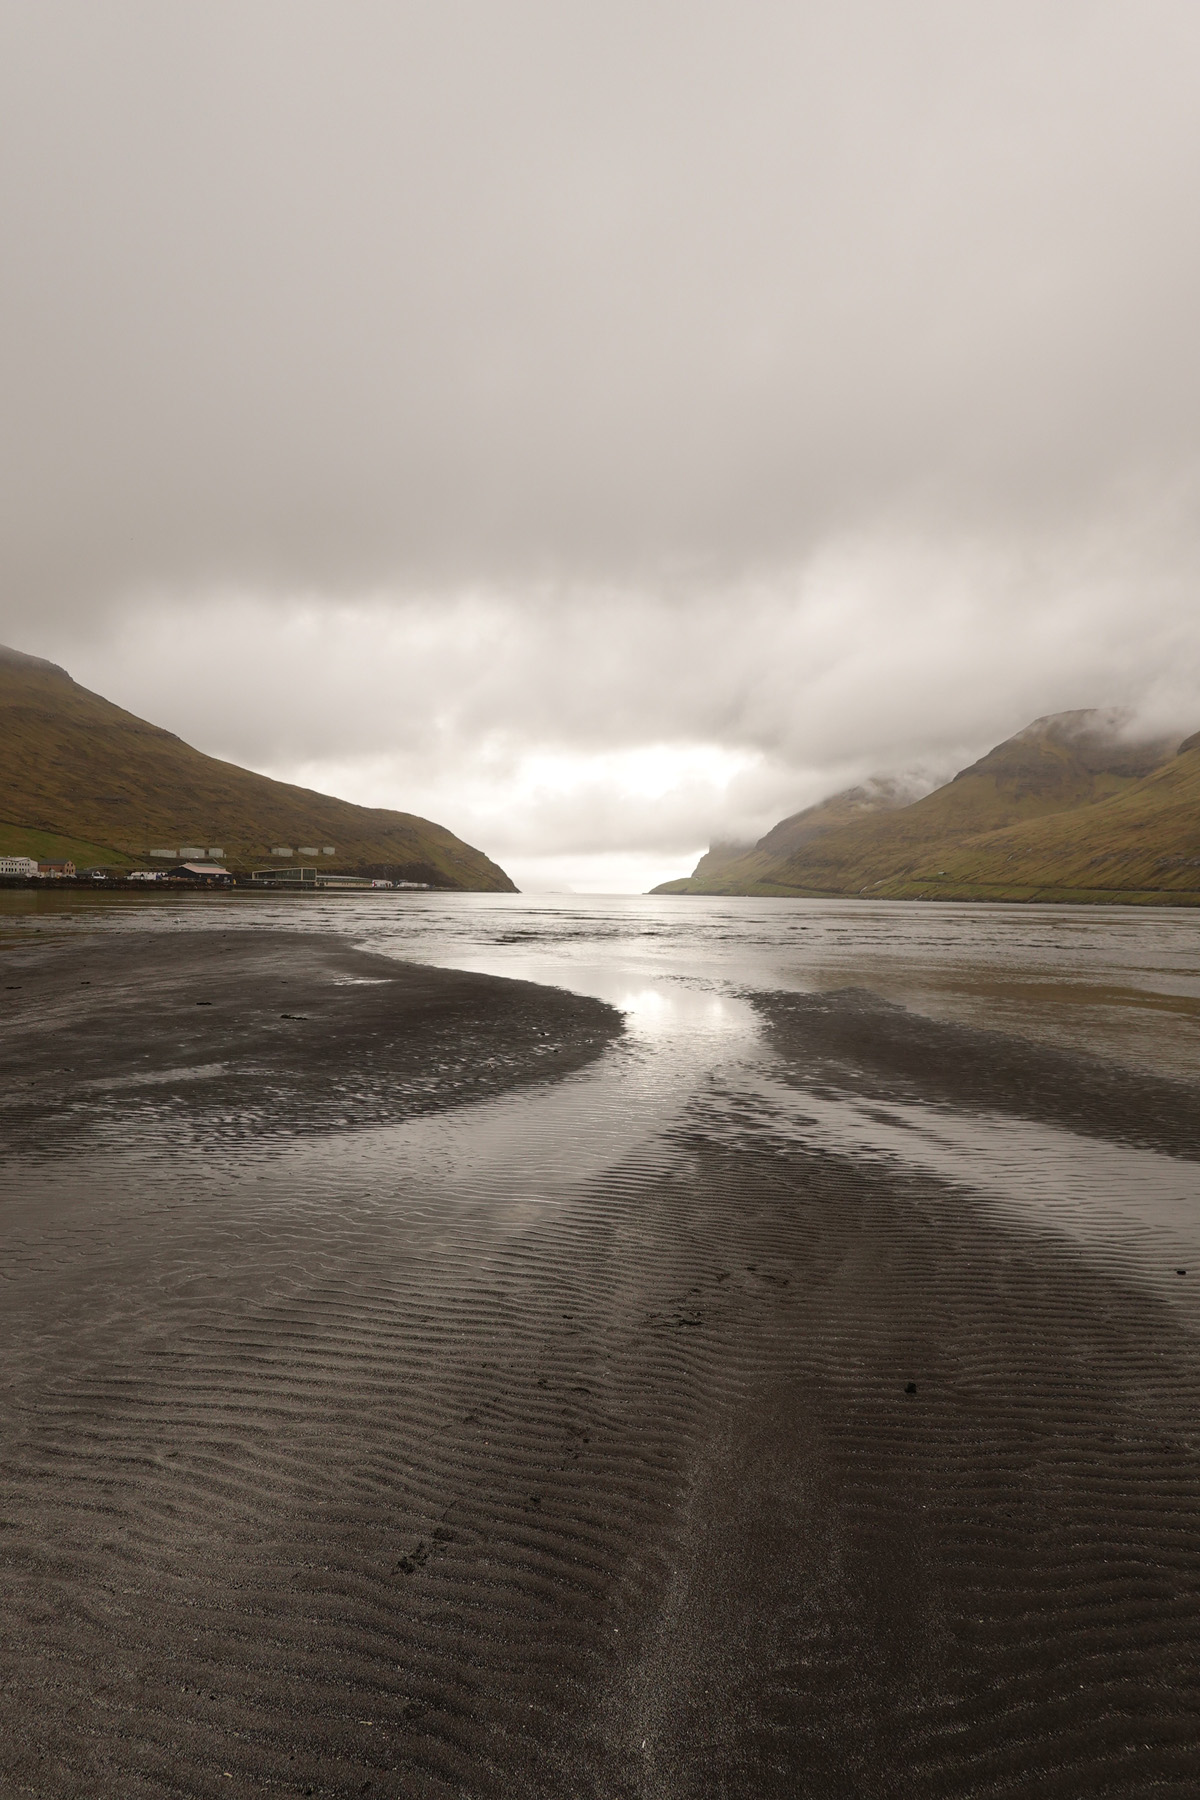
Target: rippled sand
(796, 1410)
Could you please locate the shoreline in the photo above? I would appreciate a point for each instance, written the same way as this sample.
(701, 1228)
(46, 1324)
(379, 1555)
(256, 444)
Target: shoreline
(1025, 895)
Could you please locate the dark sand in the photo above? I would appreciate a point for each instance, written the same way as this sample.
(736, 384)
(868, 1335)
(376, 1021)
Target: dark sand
(850, 1040)
(246, 1034)
(621, 1497)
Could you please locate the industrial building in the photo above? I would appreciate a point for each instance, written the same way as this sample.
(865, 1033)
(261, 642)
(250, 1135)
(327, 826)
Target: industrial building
(307, 878)
(200, 874)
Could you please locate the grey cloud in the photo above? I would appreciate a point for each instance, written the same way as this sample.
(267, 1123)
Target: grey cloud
(424, 387)
(334, 294)
(871, 657)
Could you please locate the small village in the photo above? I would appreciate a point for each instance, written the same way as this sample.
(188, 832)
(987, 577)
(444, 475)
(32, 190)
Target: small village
(194, 867)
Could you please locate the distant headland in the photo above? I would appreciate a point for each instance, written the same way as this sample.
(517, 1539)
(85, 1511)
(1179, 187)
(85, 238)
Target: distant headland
(88, 783)
(1076, 807)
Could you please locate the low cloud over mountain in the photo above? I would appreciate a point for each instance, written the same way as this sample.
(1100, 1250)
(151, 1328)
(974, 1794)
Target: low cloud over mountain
(606, 428)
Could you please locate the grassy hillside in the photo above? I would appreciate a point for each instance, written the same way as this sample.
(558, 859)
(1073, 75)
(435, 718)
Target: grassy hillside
(82, 778)
(1067, 809)
(739, 862)
(1143, 841)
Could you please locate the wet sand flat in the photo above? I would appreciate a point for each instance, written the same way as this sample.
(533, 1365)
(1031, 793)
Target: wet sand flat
(852, 1040)
(742, 1468)
(249, 1033)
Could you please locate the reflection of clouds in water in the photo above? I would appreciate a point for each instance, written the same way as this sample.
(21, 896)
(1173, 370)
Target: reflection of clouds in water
(666, 1010)
(1078, 976)
(649, 1009)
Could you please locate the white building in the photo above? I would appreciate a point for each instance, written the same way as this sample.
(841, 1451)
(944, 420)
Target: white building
(18, 865)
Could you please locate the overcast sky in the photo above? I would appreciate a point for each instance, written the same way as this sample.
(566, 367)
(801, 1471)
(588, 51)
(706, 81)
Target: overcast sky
(599, 426)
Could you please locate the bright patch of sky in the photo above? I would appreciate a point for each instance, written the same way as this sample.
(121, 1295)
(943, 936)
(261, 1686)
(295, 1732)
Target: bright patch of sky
(603, 428)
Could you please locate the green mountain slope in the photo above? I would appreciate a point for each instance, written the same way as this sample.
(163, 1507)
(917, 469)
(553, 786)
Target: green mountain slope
(80, 777)
(1068, 808)
(740, 862)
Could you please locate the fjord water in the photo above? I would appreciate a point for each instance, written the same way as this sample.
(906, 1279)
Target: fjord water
(562, 1443)
(1119, 983)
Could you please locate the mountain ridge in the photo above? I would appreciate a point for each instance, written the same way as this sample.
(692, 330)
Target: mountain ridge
(86, 779)
(1072, 806)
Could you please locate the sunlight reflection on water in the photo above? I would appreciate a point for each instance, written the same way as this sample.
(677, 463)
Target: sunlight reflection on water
(1124, 983)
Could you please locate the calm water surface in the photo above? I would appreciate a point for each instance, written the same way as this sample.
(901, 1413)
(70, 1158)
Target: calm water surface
(1123, 983)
